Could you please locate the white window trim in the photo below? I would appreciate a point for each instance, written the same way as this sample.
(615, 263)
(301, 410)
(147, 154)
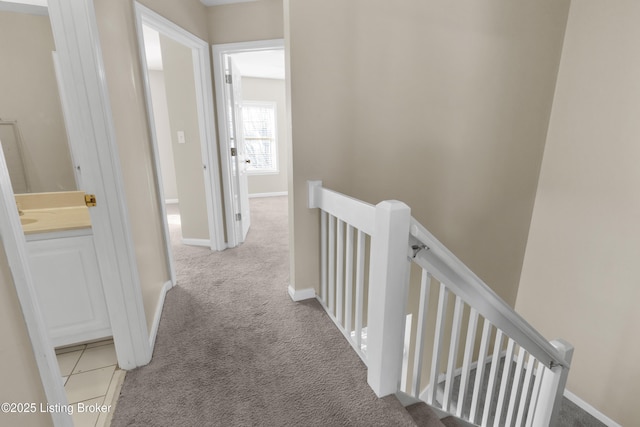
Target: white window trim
(274, 106)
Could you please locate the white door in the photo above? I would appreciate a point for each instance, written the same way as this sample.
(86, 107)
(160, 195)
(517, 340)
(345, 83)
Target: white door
(239, 159)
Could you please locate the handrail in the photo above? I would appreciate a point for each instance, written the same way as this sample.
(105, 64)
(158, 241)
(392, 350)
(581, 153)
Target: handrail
(352, 211)
(396, 240)
(453, 273)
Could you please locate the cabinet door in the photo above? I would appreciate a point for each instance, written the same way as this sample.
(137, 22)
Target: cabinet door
(67, 280)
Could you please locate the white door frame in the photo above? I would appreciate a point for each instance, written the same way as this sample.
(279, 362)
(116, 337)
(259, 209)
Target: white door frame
(15, 248)
(204, 100)
(219, 52)
(75, 31)
(77, 42)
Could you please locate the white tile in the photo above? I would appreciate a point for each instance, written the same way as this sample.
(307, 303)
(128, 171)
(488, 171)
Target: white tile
(89, 385)
(67, 361)
(99, 343)
(96, 357)
(86, 418)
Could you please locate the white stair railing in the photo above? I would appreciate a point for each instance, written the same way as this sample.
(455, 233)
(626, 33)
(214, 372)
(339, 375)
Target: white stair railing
(523, 384)
(346, 226)
(519, 376)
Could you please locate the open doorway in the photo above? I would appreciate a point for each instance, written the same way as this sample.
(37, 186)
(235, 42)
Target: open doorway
(251, 100)
(180, 106)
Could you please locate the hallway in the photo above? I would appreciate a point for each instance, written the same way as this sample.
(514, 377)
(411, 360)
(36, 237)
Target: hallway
(233, 349)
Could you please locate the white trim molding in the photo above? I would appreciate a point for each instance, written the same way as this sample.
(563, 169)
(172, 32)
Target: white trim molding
(590, 409)
(205, 109)
(80, 57)
(219, 53)
(301, 294)
(15, 248)
(156, 318)
(171, 201)
(274, 194)
(197, 242)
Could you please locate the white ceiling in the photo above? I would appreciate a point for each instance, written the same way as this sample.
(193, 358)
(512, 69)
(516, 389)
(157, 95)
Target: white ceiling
(221, 2)
(266, 64)
(33, 7)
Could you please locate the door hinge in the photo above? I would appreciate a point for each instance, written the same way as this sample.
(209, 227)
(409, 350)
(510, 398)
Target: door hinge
(234, 151)
(90, 200)
(238, 217)
(228, 79)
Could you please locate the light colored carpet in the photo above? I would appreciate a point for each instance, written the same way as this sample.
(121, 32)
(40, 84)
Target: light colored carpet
(234, 350)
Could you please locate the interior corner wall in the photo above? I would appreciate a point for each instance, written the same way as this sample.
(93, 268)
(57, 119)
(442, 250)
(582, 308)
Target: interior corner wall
(270, 90)
(19, 371)
(443, 105)
(320, 40)
(580, 274)
(180, 86)
(119, 44)
(30, 96)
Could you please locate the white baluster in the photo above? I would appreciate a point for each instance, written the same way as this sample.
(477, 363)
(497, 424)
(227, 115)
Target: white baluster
(493, 373)
(323, 256)
(360, 254)
(437, 343)
(349, 280)
(535, 393)
(525, 390)
(453, 352)
(340, 273)
(466, 362)
(425, 286)
(480, 368)
(332, 264)
(506, 371)
(515, 388)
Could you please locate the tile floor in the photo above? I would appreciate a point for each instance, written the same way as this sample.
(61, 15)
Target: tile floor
(91, 376)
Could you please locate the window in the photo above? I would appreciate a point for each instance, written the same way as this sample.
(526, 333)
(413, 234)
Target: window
(260, 145)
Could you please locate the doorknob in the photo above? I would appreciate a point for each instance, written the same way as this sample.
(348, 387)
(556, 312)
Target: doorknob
(248, 161)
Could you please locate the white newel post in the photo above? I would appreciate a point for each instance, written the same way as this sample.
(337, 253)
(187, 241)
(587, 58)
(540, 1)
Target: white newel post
(388, 287)
(552, 388)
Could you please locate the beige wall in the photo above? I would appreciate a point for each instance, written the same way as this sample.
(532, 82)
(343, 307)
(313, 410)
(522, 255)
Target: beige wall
(241, 22)
(441, 105)
(163, 133)
(187, 158)
(581, 269)
(272, 90)
(118, 38)
(30, 95)
(19, 375)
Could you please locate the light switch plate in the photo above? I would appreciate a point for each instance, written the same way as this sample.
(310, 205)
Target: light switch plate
(181, 137)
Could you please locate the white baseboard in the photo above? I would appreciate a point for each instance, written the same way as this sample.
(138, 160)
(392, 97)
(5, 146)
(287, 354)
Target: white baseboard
(197, 242)
(277, 193)
(171, 201)
(301, 294)
(590, 409)
(156, 318)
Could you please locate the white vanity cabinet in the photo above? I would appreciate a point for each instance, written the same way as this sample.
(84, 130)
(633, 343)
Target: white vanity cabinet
(67, 280)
